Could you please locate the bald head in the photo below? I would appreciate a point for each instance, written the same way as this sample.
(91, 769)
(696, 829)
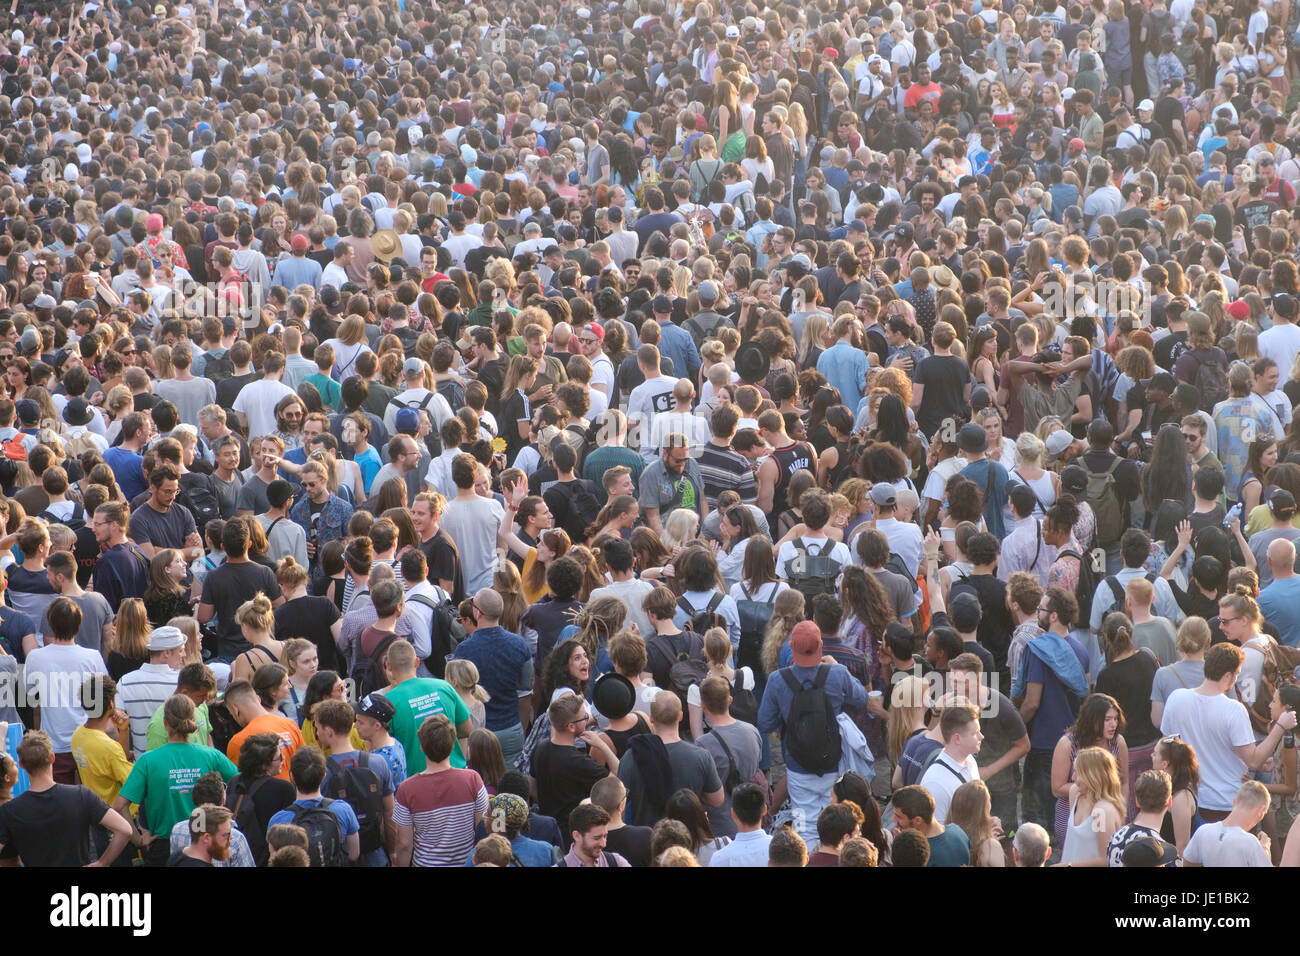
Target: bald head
(489, 605)
(683, 392)
(666, 712)
(1281, 558)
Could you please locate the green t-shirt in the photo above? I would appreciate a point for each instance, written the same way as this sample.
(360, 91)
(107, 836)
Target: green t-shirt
(416, 699)
(328, 388)
(156, 733)
(162, 779)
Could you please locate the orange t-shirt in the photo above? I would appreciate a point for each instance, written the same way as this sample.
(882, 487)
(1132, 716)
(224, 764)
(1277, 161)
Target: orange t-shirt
(284, 728)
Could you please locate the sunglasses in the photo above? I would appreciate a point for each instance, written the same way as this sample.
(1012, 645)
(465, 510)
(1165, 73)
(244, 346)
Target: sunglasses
(588, 341)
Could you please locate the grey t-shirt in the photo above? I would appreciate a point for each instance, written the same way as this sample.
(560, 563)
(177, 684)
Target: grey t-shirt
(188, 396)
(747, 748)
(252, 497)
(693, 769)
(473, 526)
(631, 592)
(1001, 729)
(95, 615)
(228, 492)
(902, 596)
(1180, 674)
(1158, 636)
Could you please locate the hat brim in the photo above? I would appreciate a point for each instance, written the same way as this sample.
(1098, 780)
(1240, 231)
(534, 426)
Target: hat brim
(613, 695)
(753, 363)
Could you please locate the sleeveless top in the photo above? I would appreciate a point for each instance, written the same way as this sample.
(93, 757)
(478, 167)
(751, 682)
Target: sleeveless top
(1167, 824)
(1080, 841)
(788, 460)
(1041, 487)
(1063, 808)
(622, 739)
(842, 466)
(270, 658)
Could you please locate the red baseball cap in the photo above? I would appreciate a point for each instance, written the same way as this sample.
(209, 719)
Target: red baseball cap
(299, 241)
(595, 330)
(1239, 310)
(806, 644)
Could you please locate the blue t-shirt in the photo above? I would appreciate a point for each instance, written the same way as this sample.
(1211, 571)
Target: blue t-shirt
(950, 848)
(500, 657)
(14, 626)
(370, 464)
(395, 757)
(1054, 713)
(347, 817)
(1280, 602)
(378, 856)
(128, 469)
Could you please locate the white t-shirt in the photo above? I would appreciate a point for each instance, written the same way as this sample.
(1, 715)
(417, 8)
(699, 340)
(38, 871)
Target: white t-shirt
(838, 551)
(942, 779)
(1214, 844)
(257, 400)
(652, 397)
(1213, 727)
(602, 373)
(1280, 343)
(53, 674)
(745, 675)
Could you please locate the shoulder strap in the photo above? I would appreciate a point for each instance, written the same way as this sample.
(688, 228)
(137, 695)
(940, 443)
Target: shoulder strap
(713, 604)
(382, 647)
(823, 672)
(791, 681)
(1116, 591)
(1113, 465)
(273, 524)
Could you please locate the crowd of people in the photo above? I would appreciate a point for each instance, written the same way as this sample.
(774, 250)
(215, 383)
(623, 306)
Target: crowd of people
(654, 434)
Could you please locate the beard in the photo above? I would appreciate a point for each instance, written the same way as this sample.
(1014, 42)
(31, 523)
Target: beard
(219, 851)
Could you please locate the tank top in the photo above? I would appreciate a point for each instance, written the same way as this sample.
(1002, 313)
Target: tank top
(1080, 840)
(621, 739)
(788, 460)
(842, 466)
(1041, 487)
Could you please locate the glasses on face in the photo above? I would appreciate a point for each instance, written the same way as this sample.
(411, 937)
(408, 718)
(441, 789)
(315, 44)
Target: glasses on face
(589, 340)
(1190, 437)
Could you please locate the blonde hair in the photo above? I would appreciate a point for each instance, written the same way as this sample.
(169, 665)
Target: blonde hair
(257, 614)
(132, 628)
(1096, 769)
(463, 675)
(907, 703)
(1193, 635)
(680, 528)
(293, 649)
(189, 626)
(787, 611)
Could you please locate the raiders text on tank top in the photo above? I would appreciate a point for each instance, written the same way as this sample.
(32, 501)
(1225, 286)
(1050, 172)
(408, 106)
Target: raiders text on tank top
(789, 460)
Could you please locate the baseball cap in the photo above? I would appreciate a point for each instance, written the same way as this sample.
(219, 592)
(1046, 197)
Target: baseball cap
(1149, 851)
(971, 438)
(299, 241)
(884, 494)
(28, 411)
(733, 32)
(376, 707)
(165, 639)
(407, 420)
(1077, 143)
(1284, 305)
(44, 301)
(708, 291)
(1197, 322)
(1282, 503)
(806, 644)
(413, 366)
(857, 225)
(964, 611)
(597, 330)
(1074, 479)
(1146, 105)
(509, 808)
(1058, 442)
(1239, 310)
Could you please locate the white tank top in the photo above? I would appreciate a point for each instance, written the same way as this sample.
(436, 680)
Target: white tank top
(1080, 839)
(1042, 488)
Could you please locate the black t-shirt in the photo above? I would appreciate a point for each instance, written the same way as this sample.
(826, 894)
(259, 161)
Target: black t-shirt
(1163, 351)
(228, 389)
(1167, 112)
(945, 378)
(310, 617)
(565, 776)
(51, 827)
(443, 559)
(631, 843)
(225, 589)
(179, 858)
(1129, 682)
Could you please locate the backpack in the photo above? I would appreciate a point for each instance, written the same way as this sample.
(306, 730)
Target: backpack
(1116, 591)
(453, 392)
(700, 621)
(584, 508)
(368, 675)
(1212, 381)
(14, 449)
(245, 814)
(199, 498)
(360, 787)
(754, 616)
(811, 574)
(324, 835)
(733, 150)
(1279, 669)
(812, 732)
(685, 667)
(217, 368)
(1103, 496)
(76, 522)
(733, 778)
(78, 445)
(744, 705)
(447, 632)
(1088, 583)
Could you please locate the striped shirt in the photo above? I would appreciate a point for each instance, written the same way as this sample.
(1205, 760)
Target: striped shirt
(142, 692)
(725, 470)
(442, 809)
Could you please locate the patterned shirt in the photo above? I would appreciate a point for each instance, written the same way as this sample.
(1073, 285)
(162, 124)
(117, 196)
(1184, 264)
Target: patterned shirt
(442, 809)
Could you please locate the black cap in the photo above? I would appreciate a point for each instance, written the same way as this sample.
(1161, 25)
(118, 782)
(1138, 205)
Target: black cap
(1282, 503)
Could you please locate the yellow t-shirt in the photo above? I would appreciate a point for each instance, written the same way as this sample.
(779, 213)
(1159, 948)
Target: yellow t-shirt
(1260, 518)
(309, 737)
(103, 764)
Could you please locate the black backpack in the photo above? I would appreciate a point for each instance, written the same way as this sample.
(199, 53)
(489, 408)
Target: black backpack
(744, 705)
(700, 621)
(199, 498)
(76, 522)
(245, 814)
(447, 633)
(584, 508)
(360, 787)
(812, 574)
(684, 667)
(1117, 592)
(1088, 581)
(324, 835)
(368, 675)
(811, 731)
(217, 368)
(754, 616)
(453, 392)
(733, 778)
